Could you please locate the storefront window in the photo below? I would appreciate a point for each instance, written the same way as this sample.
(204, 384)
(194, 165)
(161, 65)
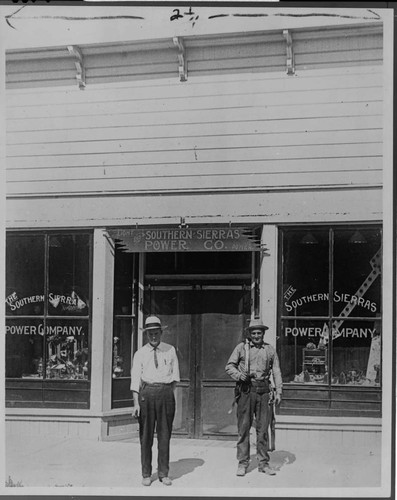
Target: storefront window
(330, 325)
(47, 306)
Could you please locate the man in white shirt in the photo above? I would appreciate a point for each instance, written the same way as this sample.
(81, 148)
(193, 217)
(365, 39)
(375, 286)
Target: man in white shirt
(154, 374)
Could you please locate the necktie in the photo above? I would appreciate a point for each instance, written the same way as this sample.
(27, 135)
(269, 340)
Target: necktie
(156, 363)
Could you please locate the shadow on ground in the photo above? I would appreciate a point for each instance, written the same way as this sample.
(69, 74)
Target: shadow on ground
(277, 460)
(182, 467)
(280, 458)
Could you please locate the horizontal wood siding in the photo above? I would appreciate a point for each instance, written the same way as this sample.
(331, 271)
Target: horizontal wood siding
(320, 128)
(336, 48)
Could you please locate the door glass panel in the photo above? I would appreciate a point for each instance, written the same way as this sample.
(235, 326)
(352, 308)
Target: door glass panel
(223, 321)
(175, 309)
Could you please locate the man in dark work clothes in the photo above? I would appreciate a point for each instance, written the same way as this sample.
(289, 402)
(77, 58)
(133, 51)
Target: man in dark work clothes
(251, 365)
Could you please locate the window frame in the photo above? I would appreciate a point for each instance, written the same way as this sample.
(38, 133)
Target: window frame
(52, 392)
(307, 399)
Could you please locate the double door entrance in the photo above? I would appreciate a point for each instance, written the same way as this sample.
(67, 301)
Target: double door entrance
(205, 321)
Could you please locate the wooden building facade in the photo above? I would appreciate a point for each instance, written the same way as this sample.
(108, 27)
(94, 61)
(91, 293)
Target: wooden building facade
(205, 179)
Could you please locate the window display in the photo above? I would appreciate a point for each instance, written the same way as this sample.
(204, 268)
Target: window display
(125, 304)
(125, 321)
(67, 349)
(24, 348)
(330, 326)
(122, 342)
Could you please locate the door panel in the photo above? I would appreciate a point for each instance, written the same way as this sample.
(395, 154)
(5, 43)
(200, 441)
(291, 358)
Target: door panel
(216, 403)
(176, 308)
(223, 320)
(204, 324)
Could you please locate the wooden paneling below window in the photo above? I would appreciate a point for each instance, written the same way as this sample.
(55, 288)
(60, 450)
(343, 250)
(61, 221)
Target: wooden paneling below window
(47, 393)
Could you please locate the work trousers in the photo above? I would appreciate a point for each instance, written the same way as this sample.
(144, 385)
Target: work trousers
(157, 403)
(252, 404)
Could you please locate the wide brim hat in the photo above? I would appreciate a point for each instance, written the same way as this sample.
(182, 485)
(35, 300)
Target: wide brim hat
(256, 324)
(153, 323)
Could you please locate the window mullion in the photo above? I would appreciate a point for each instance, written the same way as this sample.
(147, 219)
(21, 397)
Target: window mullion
(330, 311)
(46, 295)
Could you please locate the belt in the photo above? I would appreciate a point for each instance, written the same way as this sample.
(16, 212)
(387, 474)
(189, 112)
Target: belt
(262, 385)
(154, 384)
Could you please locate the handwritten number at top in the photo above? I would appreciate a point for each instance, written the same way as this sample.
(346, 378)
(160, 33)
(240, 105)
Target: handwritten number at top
(177, 15)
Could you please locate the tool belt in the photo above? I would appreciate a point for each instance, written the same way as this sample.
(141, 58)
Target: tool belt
(260, 386)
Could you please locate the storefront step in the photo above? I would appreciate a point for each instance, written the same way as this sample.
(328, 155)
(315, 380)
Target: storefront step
(292, 432)
(338, 432)
(105, 426)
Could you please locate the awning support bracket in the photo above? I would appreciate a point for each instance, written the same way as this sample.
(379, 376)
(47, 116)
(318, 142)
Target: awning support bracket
(290, 53)
(79, 63)
(178, 42)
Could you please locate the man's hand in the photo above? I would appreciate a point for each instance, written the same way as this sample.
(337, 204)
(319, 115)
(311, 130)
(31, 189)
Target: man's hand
(244, 376)
(137, 411)
(277, 399)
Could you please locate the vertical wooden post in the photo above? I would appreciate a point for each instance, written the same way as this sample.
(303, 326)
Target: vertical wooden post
(102, 322)
(268, 282)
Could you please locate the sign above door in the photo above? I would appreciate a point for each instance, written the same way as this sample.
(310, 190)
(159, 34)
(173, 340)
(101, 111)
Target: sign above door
(200, 239)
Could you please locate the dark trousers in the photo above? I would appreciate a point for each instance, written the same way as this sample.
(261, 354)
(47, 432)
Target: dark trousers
(157, 405)
(250, 405)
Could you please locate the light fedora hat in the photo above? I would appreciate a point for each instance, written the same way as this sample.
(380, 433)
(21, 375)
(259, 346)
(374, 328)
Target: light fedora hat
(152, 323)
(257, 324)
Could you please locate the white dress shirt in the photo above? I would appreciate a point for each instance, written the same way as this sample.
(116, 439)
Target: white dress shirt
(144, 370)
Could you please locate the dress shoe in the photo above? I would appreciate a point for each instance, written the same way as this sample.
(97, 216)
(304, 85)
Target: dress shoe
(146, 481)
(267, 470)
(166, 480)
(241, 470)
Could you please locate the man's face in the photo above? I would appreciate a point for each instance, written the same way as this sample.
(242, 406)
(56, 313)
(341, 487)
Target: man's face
(154, 336)
(257, 336)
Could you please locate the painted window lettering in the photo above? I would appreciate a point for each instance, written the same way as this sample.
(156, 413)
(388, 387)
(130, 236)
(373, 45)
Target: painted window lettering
(59, 330)
(337, 296)
(72, 301)
(319, 332)
(15, 303)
